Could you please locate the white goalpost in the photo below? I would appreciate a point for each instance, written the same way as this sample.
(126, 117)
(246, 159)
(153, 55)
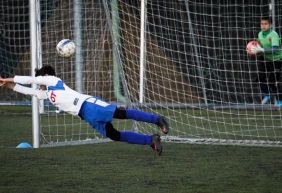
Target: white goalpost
(35, 49)
(184, 59)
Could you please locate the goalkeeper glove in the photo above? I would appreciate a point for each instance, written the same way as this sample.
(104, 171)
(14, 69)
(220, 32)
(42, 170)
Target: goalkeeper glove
(257, 49)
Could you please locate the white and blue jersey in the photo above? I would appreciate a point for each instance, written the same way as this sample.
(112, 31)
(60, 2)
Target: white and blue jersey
(93, 110)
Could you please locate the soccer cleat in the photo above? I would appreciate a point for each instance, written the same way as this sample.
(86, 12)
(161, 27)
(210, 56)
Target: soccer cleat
(163, 124)
(156, 144)
(265, 100)
(278, 104)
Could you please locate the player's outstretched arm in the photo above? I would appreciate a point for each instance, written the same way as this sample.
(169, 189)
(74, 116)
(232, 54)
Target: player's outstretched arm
(40, 80)
(40, 94)
(3, 81)
(9, 85)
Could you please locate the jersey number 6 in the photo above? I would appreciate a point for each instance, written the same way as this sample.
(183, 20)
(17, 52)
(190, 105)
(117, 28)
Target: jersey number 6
(53, 97)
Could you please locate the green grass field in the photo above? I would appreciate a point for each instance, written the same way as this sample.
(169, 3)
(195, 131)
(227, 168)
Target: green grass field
(118, 167)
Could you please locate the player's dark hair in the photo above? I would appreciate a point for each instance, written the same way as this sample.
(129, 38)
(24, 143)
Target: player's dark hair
(269, 19)
(45, 70)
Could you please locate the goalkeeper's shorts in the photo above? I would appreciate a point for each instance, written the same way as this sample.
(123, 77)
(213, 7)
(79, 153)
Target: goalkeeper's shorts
(97, 113)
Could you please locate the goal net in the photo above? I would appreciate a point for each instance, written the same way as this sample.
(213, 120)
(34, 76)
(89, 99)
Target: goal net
(196, 71)
(184, 59)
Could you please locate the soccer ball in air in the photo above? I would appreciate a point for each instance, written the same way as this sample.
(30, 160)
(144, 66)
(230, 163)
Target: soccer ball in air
(65, 48)
(250, 46)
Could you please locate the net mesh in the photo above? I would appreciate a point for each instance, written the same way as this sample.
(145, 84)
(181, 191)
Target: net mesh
(197, 72)
(97, 67)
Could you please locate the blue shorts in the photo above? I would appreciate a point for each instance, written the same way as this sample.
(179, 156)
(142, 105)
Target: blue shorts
(97, 113)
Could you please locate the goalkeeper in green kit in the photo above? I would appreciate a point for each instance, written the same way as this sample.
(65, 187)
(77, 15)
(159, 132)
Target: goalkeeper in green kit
(269, 69)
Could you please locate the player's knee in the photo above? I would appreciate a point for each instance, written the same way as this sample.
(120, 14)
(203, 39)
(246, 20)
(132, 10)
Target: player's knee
(120, 113)
(112, 133)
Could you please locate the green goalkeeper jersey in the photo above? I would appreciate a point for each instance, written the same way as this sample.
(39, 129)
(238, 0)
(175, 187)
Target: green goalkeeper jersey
(267, 40)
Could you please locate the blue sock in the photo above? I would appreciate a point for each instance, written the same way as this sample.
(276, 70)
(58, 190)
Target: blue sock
(135, 138)
(141, 116)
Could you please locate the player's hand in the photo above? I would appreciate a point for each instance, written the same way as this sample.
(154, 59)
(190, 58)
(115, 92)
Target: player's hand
(2, 83)
(9, 85)
(257, 49)
(5, 80)
(2, 80)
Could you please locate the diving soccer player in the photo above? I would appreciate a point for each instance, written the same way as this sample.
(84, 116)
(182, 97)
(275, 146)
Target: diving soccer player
(270, 62)
(93, 110)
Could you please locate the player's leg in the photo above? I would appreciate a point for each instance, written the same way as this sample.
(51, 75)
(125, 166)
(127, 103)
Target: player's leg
(277, 88)
(272, 80)
(99, 116)
(134, 138)
(263, 72)
(142, 116)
